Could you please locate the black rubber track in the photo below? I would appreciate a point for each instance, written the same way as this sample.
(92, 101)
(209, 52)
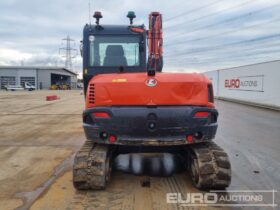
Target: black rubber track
(92, 167)
(209, 166)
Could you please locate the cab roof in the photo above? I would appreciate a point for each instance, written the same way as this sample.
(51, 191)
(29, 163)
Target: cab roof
(110, 29)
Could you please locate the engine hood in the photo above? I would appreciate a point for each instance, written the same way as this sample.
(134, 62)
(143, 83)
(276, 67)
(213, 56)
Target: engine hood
(138, 89)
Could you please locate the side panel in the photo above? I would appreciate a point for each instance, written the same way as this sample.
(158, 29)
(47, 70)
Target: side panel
(213, 76)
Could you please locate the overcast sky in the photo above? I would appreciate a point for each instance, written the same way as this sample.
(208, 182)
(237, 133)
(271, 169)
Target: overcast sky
(198, 35)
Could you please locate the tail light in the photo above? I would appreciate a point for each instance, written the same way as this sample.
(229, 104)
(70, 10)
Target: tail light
(137, 30)
(189, 138)
(112, 138)
(201, 114)
(101, 114)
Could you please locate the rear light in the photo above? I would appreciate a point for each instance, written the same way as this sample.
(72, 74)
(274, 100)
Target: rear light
(112, 138)
(201, 114)
(137, 30)
(100, 114)
(97, 14)
(189, 138)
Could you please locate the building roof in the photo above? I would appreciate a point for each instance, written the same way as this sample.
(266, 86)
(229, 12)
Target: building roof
(38, 67)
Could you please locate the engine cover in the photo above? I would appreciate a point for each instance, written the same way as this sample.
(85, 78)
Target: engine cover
(139, 89)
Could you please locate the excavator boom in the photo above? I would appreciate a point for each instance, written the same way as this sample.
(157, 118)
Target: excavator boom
(155, 42)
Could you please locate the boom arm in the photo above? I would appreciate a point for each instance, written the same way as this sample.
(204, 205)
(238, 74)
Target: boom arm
(155, 42)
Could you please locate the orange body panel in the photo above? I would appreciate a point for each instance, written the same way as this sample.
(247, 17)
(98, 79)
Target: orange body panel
(134, 89)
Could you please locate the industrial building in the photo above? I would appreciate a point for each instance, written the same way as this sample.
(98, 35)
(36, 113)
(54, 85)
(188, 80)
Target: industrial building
(40, 77)
(255, 84)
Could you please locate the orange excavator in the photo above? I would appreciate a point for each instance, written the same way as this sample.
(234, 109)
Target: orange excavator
(132, 106)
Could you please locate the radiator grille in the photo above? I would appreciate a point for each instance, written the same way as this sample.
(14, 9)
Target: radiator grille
(91, 93)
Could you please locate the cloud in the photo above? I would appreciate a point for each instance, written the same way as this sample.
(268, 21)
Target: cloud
(7, 55)
(31, 31)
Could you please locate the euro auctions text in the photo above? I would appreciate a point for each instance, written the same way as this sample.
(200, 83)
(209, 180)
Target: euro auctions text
(249, 198)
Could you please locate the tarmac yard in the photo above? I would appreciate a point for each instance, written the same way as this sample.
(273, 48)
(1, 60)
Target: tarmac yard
(39, 138)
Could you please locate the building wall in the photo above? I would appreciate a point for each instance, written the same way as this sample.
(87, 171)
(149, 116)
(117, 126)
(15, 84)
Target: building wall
(17, 73)
(6, 73)
(74, 81)
(257, 83)
(44, 77)
(41, 75)
(26, 73)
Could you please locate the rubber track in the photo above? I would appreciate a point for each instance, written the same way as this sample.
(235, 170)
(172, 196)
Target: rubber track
(213, 166)
(89, 170)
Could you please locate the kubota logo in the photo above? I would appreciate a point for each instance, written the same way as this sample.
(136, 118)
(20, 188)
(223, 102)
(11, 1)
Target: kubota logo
(151, 82)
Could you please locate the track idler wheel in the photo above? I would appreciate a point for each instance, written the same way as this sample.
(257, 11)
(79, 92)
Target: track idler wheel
(209, 166)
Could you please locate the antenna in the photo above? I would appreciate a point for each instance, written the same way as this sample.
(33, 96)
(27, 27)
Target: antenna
(68, 52)
(89, 11)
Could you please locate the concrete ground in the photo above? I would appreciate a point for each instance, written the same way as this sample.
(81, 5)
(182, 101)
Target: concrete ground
(39, 138)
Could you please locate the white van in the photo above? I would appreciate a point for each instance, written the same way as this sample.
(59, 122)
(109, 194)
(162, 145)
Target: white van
(27, 86)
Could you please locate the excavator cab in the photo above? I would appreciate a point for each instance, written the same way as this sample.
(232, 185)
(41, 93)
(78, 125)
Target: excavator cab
(113, 49)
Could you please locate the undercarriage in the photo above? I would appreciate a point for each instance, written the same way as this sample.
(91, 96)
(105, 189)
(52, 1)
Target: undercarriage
(206, 162)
